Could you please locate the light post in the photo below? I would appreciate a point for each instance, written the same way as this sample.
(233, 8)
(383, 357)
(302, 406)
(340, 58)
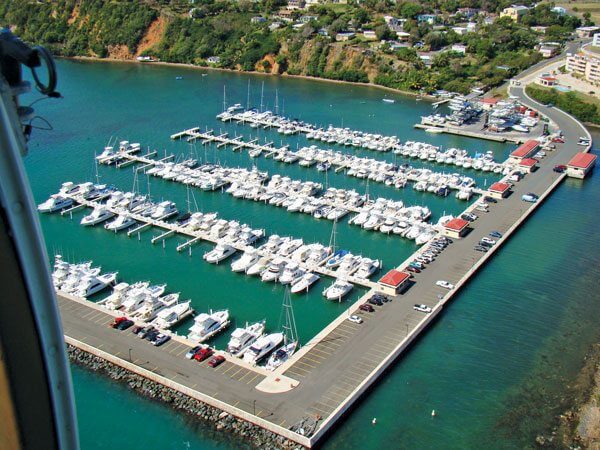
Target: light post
(129, 355)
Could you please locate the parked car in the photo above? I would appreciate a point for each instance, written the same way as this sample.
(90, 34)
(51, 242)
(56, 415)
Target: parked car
(203, 354)
(413, 269)
(489, 199)
(558, 140)
(381, 297)
(529, 197)
(144, 332)
(117, 321)
(487, 240)
(482, 208)
(216, 361)
(125, 324)
(375, 301)
(355, 319)
(137, 329)
(366, 307)
(560, 168)
(161, 339)
(481, 248)
(192, 351)
(152, 335)
(495, 234)
(469, 216)
(445, 284)
(422, 308)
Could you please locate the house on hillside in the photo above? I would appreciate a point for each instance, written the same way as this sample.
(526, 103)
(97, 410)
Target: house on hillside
(515, 12)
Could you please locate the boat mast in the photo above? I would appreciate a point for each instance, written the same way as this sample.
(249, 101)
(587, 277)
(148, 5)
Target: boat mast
(248, 97)
(333, 236)
(276, 103)
(290, 333)
(262, 94)
(224, 99)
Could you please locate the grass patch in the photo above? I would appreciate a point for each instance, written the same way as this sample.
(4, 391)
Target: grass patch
(582, 7)
(582, 106)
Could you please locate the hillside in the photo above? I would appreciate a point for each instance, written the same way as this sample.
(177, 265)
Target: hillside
(420, 46)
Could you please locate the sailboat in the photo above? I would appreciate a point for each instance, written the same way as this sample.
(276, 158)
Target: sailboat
(290, 335)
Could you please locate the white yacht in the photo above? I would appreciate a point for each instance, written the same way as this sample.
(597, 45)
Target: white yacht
(114, 300)
(171, 315)
(243, 338)
(92, 285)
(304, 283)
(54, 203)
(207, 325)
(366, 268)
(291, 273)
(259, 267)
(98, 215)
(338, 290)
(219, 253)
(262, 347)
(247, 260)
(274, 271)
(164, 209)
(122, 222)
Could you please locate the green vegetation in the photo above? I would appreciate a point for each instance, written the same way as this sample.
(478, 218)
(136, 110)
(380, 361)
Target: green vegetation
(195, 31)
(567, 101)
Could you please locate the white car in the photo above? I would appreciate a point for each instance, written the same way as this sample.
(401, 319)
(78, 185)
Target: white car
(487, 240)
(422, 308)
(444, 284)
(355, 319)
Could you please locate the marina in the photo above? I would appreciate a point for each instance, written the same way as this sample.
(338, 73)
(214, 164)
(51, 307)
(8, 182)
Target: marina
(342, 393)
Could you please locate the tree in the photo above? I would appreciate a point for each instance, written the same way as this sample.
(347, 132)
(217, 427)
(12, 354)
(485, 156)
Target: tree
(383, 33)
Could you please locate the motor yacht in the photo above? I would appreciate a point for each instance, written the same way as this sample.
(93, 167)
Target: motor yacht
(274, 270)
(281, 355)
(98, 215)
(164, 210)
(247, 260)
(171, 315)
(259, 267)
(338, 290)
(304, 283)
(207, 325)
(336, 259)
(366, 268)
(291, 273)
(262, 347)
(219, 253)
(122, 222)
(243, 338)
(56, 202)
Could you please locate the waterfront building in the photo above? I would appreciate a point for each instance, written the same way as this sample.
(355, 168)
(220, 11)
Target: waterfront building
(528, 165)
(596, 40)
(515, 12)
(524, 151)
(580, 165)
(547, 81)
(394, 282)
(456, 228)
(499, 190)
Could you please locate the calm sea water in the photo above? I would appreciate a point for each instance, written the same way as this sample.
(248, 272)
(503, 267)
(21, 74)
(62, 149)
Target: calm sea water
(494, 366)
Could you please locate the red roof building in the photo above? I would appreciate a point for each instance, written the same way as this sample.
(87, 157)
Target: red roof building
(456, 228)
(525, 150)
(528, 164)
(394, 282)
(580, 165)
(499, 190)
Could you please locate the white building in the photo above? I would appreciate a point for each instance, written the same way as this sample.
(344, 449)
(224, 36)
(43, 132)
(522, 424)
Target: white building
(596, 40)
(460, 48)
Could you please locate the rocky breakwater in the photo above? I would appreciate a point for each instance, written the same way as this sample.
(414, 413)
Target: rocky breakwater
(222, 420)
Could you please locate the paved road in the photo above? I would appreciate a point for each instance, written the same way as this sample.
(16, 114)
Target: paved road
(331, 370)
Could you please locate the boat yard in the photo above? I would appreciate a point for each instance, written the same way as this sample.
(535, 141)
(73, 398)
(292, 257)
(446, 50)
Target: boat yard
(330, 372)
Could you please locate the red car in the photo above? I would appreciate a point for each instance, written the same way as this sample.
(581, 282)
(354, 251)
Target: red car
(413, 269)
(560, 168)
(204, 354)
(558, 140)
(216, 361)
(366, 307)
(118, 321)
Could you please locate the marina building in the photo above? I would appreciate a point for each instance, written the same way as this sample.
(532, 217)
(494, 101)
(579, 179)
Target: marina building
(524, 151)
(394, 282)
(580, 165)
(456, 228)
(528, 165)
(499, 190)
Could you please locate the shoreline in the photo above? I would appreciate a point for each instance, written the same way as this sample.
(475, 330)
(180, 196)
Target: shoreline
(426, 97)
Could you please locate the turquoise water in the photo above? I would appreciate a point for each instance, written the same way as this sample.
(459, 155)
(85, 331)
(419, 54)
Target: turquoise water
(494, 365)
